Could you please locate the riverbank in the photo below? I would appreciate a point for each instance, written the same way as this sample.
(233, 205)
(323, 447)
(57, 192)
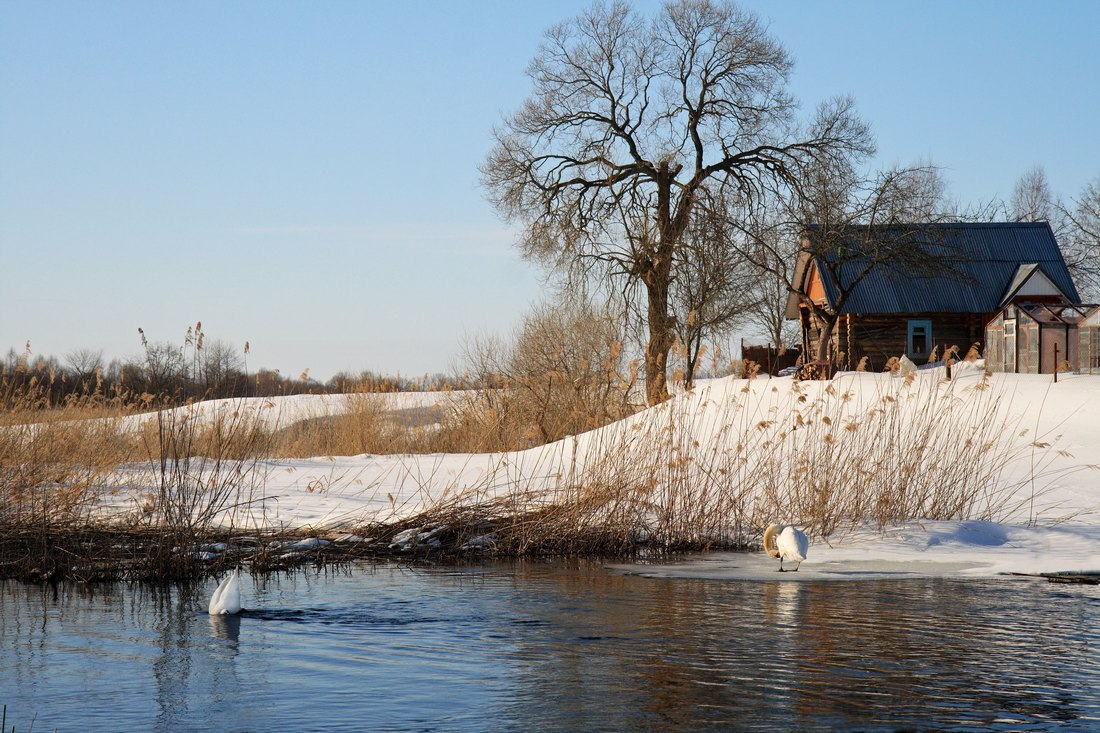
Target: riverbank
(856, 460)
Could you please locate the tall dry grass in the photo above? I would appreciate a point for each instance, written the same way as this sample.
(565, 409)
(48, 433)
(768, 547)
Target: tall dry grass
(701, 471)
(364, 422)
(55, 460)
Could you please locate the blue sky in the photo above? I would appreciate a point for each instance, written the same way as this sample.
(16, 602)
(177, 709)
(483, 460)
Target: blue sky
(303, 175)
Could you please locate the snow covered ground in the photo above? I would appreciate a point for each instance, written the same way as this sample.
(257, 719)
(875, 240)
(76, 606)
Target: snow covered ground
(1048, 522)
(913, 550)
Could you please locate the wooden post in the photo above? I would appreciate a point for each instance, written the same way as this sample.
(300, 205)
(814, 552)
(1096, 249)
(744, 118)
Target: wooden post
(1056, 363)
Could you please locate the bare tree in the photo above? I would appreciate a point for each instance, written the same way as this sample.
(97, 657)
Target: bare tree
(769, 240)
(219, 366)
(713, 289)
(631, 120)
(162, 368)
(767, 310)
(84, 365)
(1080, 239)
(1031, 198)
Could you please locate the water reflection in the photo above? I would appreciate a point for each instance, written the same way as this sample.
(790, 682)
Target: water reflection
(554, 647)
(227, 627)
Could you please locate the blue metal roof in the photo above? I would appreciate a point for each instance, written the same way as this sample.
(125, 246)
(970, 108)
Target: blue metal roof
(981, 262)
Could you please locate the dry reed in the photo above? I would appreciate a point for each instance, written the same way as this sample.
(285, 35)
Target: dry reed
(697, 473)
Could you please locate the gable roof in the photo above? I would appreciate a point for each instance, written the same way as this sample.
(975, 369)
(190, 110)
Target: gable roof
(984, 271)
(1031, 280)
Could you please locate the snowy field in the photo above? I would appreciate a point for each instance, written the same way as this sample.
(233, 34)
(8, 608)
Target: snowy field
(276, 412)
(1046, 517)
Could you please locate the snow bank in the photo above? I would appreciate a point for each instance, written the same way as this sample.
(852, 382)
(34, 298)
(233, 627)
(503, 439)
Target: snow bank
(1050, 521)
(282, 412)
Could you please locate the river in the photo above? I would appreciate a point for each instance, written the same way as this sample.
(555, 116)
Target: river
(532, 646)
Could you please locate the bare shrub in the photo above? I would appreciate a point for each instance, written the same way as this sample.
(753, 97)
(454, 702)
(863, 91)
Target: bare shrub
(201, 471)
(565, 373)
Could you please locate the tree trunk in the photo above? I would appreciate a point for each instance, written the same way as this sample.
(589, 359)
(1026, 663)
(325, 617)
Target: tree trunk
(823, 356)
(655, 270)
(660, 340)
(693, 351)
(777, 338)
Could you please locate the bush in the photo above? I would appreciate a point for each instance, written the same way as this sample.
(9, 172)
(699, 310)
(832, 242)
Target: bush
(565, 374)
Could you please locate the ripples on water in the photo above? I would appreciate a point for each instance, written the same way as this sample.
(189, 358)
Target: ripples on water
(531, 647)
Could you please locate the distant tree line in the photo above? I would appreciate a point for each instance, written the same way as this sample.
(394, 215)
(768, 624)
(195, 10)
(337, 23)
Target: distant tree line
(171, 374)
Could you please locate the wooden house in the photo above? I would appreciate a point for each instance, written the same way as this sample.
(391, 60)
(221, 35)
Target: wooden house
(935, 286)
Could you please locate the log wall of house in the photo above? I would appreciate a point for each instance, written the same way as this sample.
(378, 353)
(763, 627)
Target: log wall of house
(882, 336)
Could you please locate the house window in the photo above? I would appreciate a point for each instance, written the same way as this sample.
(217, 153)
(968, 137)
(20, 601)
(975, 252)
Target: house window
(920, 339)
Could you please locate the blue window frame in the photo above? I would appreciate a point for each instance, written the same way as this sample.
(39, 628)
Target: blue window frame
(920, 339)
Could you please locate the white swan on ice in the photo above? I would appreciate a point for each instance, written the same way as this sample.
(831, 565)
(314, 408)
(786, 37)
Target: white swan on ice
(227, 597)
(786, 543)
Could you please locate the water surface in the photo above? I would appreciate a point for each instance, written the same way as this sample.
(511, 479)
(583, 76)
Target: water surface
(567, 647)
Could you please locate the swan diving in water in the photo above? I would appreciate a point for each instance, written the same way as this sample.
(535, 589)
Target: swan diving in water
(786, 543)
(227, 597)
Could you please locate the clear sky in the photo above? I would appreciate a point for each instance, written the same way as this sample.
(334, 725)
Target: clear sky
(303, 175)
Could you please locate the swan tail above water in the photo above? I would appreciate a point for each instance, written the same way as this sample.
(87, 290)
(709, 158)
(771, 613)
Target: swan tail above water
(227, 597)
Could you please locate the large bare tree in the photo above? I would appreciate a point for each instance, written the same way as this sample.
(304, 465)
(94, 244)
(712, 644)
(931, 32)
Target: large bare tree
(630, 121)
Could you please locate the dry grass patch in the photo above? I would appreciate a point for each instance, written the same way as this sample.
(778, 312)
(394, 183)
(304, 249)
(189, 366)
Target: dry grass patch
(55, 461)
(365, 424)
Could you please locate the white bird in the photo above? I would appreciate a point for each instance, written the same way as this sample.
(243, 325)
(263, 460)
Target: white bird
(786, 543)
(227, 597)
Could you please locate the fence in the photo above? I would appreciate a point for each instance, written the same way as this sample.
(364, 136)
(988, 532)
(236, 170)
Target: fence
(769, 358)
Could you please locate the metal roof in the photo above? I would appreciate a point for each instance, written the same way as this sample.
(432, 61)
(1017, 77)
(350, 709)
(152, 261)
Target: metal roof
(982, 261)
